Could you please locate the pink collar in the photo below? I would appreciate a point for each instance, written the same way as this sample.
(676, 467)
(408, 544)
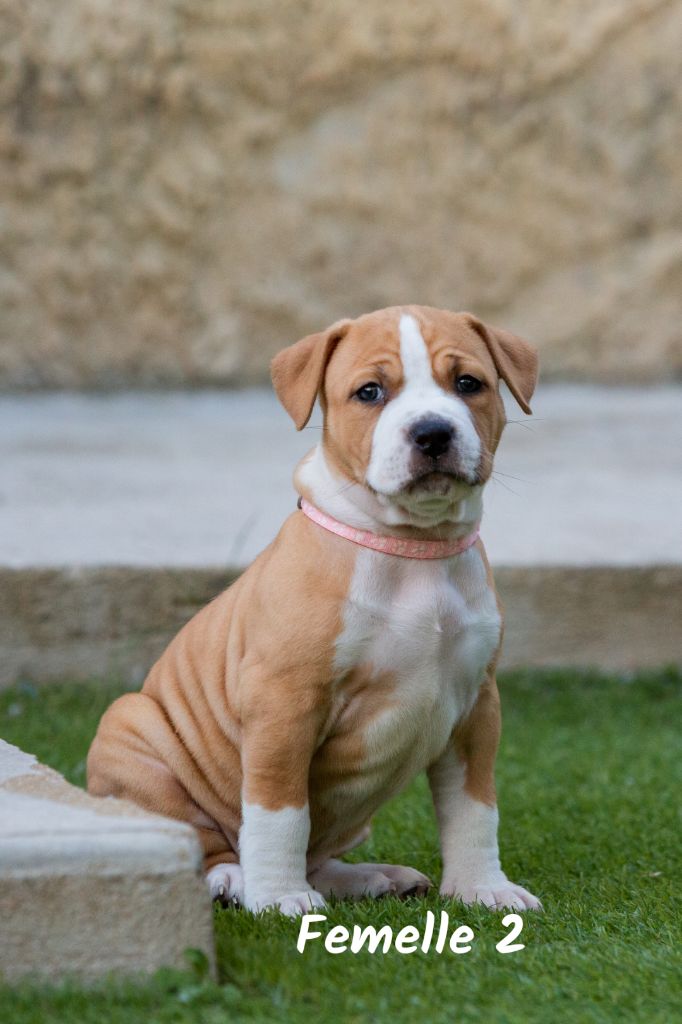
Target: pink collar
(389, 545)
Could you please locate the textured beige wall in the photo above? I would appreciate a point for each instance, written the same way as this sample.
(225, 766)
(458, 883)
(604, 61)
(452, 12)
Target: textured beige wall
(187, 185)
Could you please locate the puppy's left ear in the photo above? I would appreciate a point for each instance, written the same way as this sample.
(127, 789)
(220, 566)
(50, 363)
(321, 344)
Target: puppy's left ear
(515, 360)
(298, 371)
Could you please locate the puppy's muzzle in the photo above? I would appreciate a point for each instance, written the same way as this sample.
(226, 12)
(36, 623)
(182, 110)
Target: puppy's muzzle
(431, 436)
(435, 461)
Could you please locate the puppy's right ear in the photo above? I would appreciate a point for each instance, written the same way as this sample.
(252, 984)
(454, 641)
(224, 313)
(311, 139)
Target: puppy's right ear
(298, 371)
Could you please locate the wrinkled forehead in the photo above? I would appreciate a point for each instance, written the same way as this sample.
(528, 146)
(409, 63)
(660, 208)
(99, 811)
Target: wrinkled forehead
(398, 339)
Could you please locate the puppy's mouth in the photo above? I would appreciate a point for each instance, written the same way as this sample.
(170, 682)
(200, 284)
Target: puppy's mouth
(437, 483)
(430, 498)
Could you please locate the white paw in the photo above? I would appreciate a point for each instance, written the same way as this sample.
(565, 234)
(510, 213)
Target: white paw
(407, 881)
(366, 880)
(291, 904)
(226, 883)
(356, 881)
(495, 893)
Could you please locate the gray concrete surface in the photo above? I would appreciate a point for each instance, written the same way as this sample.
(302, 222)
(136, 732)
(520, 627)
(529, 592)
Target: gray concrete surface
(91, 886)
(204, 479)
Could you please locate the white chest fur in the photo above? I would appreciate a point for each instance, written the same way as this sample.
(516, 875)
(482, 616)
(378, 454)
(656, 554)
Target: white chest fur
(432, 627)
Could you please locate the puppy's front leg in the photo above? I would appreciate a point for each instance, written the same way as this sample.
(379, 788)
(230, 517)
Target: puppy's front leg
(278, 742)
(463, 786)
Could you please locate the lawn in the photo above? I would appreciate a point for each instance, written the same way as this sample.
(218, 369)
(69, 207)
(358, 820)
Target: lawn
(589, 781)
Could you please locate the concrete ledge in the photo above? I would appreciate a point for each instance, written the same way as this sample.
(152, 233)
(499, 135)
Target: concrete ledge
(90, 623)
(616, 618)
(90, 886)
(94, 623)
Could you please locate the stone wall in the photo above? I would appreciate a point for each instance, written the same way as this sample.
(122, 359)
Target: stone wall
(187, 185)
(114, 622)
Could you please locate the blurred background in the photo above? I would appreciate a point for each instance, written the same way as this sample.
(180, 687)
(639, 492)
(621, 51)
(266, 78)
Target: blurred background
(187, 186)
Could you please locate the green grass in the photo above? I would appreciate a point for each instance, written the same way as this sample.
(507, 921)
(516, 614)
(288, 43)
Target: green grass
(589, 782)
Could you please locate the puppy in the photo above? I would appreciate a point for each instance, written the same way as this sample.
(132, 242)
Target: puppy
(360, 647)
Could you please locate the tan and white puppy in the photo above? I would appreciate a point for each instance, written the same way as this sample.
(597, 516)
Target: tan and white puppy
(315, 688)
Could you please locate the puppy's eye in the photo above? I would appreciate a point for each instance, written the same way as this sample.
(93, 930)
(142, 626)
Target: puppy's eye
(370, 392)
(468, 385)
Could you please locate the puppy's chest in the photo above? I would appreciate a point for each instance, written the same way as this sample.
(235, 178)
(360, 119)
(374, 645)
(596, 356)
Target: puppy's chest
(420, 634)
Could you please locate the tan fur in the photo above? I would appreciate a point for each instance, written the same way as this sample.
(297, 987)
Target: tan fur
(245, 683)
(361, 697)
(477, 738)
(244, 703)
(298, 371)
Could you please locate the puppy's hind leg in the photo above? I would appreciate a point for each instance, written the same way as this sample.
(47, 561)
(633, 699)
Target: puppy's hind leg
(123, 763)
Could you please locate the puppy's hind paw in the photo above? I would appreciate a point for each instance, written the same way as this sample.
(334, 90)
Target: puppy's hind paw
(357, 881)
(226, 884)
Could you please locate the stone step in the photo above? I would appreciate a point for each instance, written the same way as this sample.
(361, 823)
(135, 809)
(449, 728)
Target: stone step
(94, 623)
(89, 886)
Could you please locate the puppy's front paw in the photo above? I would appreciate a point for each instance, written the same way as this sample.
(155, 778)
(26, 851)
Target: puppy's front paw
(291, 904)
(496, 893)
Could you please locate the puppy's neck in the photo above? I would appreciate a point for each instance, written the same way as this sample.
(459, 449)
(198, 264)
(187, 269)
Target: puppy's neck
(317, 480)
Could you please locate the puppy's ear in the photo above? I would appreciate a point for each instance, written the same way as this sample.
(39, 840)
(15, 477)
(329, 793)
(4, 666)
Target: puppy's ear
(515, 360)
(298, 371)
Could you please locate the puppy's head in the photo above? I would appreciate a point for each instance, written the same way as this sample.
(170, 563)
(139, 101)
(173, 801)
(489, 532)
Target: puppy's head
(411, 401)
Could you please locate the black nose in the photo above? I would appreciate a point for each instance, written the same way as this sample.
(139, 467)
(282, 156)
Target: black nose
(432, 436)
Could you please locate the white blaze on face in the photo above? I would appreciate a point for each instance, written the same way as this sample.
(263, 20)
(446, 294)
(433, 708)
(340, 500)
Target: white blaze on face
(389, 466)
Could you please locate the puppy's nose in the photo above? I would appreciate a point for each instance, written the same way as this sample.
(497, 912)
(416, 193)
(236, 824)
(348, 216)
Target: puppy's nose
(432, 436)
